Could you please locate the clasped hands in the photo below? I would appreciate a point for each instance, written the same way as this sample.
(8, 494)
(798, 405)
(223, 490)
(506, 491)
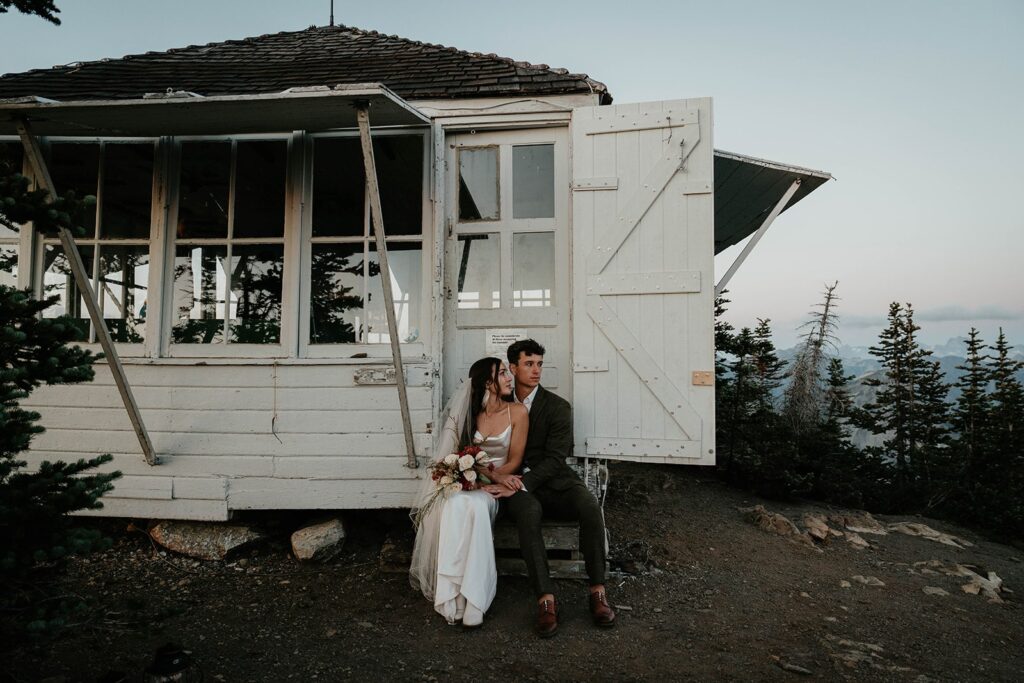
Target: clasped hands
(504, 485)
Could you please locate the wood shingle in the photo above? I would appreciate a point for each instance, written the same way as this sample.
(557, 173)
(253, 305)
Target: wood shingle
(319, 55)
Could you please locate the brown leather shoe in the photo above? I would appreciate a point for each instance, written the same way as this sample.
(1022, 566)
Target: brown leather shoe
(600, 610)
(547, 619)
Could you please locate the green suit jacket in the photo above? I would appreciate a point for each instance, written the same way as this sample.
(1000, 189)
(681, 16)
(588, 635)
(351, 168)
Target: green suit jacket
(549, 443)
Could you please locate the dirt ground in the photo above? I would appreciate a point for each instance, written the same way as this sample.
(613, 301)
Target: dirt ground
(702, 593)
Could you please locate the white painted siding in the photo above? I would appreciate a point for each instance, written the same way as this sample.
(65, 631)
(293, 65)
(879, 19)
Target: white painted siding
(234, 436)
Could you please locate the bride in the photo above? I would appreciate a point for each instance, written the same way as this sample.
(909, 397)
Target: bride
(453, 558)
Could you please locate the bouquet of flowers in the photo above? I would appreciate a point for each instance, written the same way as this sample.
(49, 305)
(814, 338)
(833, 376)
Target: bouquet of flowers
(462, 471)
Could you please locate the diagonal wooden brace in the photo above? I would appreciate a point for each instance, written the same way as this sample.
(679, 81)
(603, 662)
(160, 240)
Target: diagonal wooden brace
(363, 114)
(67, 240)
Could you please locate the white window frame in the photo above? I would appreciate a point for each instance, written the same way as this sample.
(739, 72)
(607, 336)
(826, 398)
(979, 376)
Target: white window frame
(37, 247)
(284, 348)
(410, 350)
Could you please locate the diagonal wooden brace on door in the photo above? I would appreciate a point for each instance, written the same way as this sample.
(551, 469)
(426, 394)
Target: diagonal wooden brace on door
(645, 367)
(671, 162)
(67, 240)
(370, 165)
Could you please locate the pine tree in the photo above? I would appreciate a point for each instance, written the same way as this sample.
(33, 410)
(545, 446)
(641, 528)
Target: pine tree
(972, 411)
(1000, 504)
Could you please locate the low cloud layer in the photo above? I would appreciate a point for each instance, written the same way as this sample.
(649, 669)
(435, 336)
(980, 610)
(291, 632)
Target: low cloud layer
(942, 314)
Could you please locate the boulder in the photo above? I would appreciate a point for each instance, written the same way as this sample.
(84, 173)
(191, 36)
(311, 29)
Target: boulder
(775, 523)
(319, 542)
(925, 531)
(934, 590)
(204, 540)
(859, 523)
(857, 541)
(817, 528)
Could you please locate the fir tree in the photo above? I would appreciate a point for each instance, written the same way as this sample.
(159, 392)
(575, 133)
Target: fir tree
(1006, 410)
(36, 533)
(971, 413)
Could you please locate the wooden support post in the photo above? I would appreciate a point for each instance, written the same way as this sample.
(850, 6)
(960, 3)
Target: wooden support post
(67, 240)
(756, 237)
(363, 114)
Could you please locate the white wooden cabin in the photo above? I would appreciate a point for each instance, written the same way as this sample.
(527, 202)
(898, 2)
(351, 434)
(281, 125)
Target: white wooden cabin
(233, 257)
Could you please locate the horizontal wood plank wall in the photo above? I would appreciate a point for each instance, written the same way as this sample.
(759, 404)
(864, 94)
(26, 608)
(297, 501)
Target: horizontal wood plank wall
(233, 437)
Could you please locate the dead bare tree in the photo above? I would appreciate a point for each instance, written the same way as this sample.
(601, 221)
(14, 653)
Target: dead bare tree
(804, 397)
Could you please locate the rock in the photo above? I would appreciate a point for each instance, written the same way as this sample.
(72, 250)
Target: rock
(934, 590)
(775, 523)
(988, 586)
(868, 580)
(859, 523)
(319, 542)
(817, 528)
(925, 531)
(845, 584)
(793, 668)
(204, 540)
(856, 540)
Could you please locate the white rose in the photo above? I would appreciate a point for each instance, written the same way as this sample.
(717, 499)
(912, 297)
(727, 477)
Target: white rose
(453, 488)
(470, 476)
(466, 462)
(446, 480)
(481, 456)
(451, 458)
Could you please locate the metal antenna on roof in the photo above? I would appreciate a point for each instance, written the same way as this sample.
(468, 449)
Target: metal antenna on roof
(332, 13)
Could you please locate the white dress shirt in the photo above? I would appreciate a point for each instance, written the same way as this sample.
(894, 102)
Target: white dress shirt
(528, 401)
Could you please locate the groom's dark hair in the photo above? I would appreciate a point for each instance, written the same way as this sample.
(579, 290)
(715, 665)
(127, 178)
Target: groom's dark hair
(527, 346)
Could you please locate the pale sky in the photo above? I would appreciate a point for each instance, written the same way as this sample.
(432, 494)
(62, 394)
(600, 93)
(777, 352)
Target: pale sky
(915, 107)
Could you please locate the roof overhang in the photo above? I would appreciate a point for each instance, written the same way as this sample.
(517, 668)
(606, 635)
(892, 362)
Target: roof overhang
(311, 109)
(747, 189)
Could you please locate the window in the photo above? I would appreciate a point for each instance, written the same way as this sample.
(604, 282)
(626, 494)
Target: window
(479, 198)
(346, 302)
(115, 246)
(229, 242)
(10, 162)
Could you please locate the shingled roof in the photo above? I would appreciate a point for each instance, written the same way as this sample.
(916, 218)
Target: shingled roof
(319, 55)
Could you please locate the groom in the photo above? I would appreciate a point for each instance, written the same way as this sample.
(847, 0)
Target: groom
(552, 488)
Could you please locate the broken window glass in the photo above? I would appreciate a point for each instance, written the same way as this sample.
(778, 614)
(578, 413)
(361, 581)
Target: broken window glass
(405, 263)
(478, 184)
(478, 258)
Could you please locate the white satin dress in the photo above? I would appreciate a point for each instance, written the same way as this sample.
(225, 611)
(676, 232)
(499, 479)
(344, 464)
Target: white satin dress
(467, 577)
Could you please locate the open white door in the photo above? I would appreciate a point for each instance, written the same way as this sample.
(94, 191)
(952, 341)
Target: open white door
(643, 282)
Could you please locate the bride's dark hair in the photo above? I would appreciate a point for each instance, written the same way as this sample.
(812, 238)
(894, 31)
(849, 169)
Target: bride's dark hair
(480, 373)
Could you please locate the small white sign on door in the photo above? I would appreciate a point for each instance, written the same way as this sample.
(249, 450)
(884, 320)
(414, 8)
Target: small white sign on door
(498, 340)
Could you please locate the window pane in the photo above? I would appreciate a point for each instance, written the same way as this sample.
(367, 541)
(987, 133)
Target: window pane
(76, 167)
(338, 187)
(478, 184)
(8, 266)
(10, 163)
(479, 259)
(336, 293)
(205, 177)
(533, 269)
(260, 171)
(124, 281)
(127, 190)
(399, 161)
(58, 280)
(405, 261)
(200, 286)
(533, 181)
(256, 293)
